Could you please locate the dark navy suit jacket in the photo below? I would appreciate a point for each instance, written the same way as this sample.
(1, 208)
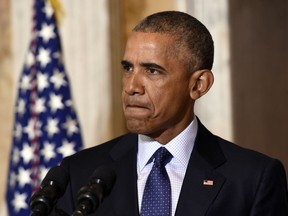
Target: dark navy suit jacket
(241, 182)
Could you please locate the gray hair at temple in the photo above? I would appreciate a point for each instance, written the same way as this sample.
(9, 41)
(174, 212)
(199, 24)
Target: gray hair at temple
(189, 33)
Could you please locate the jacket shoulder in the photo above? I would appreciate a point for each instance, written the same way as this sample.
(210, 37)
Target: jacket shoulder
(86, 160)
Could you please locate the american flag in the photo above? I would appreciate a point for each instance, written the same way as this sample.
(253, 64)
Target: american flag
(46, 127)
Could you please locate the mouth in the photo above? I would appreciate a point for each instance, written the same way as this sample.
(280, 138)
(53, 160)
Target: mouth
(136, 110)
(134, 103)
(135, 107)
(140, 106)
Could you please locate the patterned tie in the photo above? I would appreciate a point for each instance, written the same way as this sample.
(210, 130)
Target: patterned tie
(157, 193)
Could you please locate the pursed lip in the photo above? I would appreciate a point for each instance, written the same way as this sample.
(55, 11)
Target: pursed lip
(136, 106)
(136, 111)
(135, 103)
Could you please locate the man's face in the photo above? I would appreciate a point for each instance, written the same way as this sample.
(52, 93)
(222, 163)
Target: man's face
(155, 93)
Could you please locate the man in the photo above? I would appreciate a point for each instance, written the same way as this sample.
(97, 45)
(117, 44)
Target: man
(166, 67)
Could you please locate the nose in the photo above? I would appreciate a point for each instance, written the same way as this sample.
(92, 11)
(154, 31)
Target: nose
(133, 83)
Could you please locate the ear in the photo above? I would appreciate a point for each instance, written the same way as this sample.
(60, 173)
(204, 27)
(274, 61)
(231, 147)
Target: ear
(200, 83)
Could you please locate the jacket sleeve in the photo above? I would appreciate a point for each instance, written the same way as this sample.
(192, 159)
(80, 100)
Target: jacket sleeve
(271, 196)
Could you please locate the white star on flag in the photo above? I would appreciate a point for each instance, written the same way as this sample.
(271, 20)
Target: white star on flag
(42, 81)
(58, 79)
(24, 177)
(15, 156)
(66, 149)
(25, 83)
(18, 131)
(30, 59)
(27, 153)
(21, 107)
(19, 201)
(48, 10)
(33, 128)
(13, 179)
(71, 126)
(48, 151)
(39, 106)
(47, 32)
(52, 126)
(55, 102)
(44, 57)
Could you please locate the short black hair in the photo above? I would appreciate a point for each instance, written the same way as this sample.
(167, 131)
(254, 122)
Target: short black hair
(189, 33)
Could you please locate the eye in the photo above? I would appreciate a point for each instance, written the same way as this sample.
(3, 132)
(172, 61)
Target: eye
(127, 68)
(153, 70)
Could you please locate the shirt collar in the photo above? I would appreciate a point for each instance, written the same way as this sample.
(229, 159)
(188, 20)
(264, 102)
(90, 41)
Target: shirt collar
(180, 147)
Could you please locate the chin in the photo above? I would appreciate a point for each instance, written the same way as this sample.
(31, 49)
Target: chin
(137, 127)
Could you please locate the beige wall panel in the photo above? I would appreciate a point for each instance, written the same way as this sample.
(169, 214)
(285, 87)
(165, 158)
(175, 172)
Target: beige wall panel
(259, 54)
(214, 109)
(135, 10)
(6, 96)
(86, 52)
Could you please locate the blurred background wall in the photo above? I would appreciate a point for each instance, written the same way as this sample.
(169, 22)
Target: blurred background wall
(247, 105)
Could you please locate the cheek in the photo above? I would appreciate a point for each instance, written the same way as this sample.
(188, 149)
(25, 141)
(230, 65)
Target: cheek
(161, 100)
(157, 97)
(170, 100)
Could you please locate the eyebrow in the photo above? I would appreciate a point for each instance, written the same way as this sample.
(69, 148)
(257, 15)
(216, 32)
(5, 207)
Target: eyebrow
(124, 62)
(144, 64)
(152, 65)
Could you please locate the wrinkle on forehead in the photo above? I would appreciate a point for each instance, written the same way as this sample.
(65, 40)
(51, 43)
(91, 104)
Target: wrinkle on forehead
(151, 45)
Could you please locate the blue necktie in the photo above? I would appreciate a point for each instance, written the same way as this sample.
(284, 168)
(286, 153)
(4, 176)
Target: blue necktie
(157, 193)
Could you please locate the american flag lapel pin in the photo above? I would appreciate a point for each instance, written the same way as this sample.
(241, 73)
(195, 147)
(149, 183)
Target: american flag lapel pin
(208, 182)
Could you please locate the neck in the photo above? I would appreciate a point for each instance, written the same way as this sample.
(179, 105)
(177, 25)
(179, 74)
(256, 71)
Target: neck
(166, 135)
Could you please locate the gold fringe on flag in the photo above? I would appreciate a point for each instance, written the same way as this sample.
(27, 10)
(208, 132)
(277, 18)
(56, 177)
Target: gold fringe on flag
(58, 10)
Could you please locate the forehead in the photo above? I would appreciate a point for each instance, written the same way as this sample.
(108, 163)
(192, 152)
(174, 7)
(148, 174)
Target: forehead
(140, 43)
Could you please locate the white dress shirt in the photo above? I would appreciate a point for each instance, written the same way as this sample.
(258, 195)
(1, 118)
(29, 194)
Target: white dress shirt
(180, 147)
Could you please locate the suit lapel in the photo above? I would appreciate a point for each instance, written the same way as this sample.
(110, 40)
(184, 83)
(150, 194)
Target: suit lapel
(196, 195)
(125, 189)
(202, 182)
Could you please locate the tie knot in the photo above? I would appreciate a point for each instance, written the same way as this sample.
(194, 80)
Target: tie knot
(162, 156)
